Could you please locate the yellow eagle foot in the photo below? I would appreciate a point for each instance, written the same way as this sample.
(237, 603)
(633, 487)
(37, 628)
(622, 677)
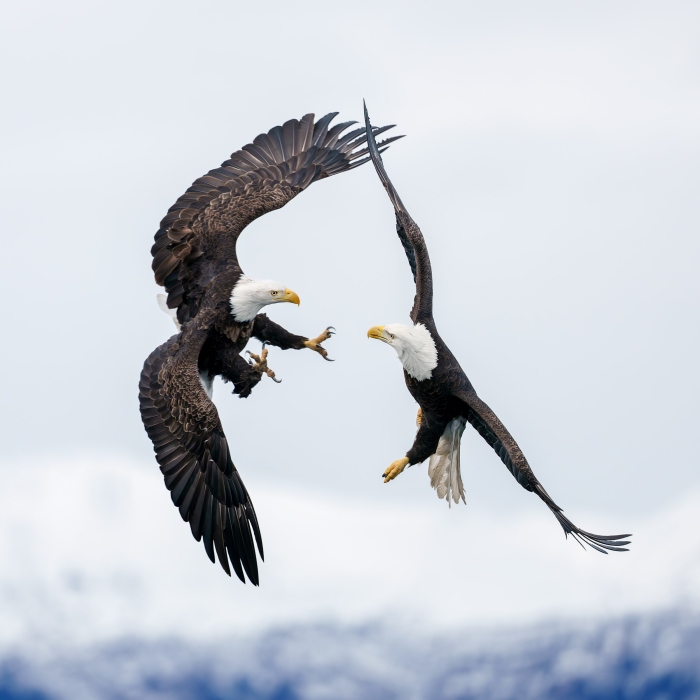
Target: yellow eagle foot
(419, 417)
(315, 343)
(261, 364)
(395, 468)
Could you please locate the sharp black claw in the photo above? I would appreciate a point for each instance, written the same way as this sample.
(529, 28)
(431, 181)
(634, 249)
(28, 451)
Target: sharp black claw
(328, 359)
(331, 328)
(274, 379)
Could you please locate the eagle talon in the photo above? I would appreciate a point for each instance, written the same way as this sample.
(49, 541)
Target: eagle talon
(260, 364)
(315, 343)
(394, 469)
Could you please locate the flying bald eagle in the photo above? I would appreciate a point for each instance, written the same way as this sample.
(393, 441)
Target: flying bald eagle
(445, 395)
(217, 310)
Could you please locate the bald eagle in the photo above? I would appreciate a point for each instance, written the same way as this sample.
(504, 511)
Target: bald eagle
(217, 310)
(445, 395)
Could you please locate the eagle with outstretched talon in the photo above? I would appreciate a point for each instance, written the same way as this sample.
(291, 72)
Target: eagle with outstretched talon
(217, 310)
(445, 395)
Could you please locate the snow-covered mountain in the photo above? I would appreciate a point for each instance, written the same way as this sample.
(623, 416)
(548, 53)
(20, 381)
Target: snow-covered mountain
(651, 657)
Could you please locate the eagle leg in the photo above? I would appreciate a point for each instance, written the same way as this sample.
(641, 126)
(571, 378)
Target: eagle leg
(394, 469)
(261, 364)
(419, 417)
(315, 343)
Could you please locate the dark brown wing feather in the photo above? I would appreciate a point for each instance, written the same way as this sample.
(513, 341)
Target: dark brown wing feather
(197, 237)
(194, 456)
(409, 234)
(488, 425)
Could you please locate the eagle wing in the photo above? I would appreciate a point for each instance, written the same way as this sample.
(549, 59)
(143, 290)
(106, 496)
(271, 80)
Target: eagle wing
(194, 456)
(488, 425)
(197, 237)
(409, 234)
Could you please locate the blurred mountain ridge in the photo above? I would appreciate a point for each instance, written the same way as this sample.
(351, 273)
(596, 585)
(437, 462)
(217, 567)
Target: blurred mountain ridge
(643, 657)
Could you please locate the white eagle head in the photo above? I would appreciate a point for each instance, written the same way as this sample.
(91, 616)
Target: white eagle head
(413, 344)
(249, 296)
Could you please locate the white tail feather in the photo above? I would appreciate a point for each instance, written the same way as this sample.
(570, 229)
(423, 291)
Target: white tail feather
(443, 468)
(207, 382)
(163, 303)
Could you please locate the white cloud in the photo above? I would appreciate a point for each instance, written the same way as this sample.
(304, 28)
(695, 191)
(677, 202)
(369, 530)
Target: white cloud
(93, 550)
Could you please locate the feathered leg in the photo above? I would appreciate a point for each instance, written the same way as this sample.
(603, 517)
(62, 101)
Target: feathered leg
(273, 334)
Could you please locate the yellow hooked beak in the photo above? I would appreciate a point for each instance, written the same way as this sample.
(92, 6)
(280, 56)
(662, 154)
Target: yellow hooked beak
(378, 333)
(291, 296)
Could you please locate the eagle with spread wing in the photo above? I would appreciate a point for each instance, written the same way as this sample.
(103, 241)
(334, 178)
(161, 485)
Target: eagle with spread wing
(217, 310)
(446, 397)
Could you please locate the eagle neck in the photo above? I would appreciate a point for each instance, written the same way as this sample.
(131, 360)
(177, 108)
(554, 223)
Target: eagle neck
(418, 353)
(246, 302)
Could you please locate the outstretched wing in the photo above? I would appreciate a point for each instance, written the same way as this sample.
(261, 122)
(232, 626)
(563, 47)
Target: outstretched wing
(409, 234)
(198, 235)
(497, 436)
(194, 457)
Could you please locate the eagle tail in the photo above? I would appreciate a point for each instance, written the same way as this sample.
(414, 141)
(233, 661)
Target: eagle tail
(444, 465)
(163, 304)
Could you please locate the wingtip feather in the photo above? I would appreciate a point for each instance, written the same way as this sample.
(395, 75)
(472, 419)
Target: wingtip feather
(601, 543)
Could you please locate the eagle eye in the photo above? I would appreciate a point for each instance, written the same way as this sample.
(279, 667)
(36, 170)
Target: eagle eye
(274, 293)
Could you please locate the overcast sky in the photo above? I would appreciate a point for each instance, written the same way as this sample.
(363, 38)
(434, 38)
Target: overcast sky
(551, 161)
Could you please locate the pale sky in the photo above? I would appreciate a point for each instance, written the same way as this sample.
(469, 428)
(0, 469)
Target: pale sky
(551, 160)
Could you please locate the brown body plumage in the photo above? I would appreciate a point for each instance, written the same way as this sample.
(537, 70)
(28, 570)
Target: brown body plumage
(194, 257)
